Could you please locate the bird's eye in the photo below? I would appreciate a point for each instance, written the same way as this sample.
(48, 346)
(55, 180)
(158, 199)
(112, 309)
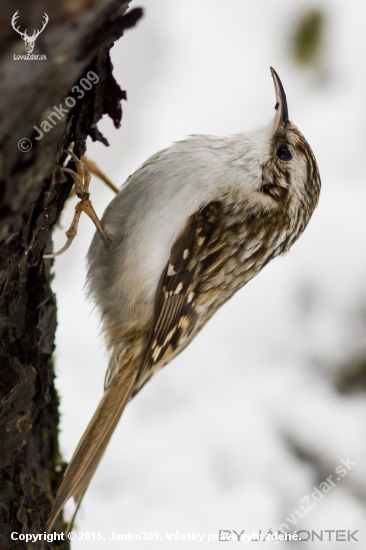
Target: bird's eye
(283, 154)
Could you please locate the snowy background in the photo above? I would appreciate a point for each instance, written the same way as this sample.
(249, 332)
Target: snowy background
(242, 425)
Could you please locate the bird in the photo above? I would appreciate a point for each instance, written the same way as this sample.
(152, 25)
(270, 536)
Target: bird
(194, 224)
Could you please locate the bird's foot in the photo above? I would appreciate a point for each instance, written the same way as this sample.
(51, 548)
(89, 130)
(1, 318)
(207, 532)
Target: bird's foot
(82, 178)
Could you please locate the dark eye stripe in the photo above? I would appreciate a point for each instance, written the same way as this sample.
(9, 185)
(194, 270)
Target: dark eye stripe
(275, 191)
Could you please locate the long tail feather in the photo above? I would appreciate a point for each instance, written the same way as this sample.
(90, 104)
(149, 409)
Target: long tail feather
(93, 444)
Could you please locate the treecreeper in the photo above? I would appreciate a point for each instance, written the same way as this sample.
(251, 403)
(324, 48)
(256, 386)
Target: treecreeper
(188, 229)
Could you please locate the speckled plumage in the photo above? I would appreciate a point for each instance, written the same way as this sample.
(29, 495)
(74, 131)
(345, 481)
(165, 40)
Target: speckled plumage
(193, 225)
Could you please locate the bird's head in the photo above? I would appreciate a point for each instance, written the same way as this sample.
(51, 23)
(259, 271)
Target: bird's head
(290, 175)
(283, 174)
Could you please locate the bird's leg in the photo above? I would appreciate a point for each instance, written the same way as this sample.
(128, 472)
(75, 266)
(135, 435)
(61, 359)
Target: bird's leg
(82, 182)
(81, 179)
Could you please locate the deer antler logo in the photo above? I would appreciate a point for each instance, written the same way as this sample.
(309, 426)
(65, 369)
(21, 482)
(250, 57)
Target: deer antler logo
(29, 40)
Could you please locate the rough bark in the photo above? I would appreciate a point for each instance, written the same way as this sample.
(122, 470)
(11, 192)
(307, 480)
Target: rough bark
(77, 39)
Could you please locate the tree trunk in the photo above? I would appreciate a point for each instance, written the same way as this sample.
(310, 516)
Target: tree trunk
(76, 40)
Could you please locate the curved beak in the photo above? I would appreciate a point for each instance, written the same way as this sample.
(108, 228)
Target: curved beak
(281, 102)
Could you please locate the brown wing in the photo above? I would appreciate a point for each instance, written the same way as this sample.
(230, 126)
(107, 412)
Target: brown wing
(175, 316)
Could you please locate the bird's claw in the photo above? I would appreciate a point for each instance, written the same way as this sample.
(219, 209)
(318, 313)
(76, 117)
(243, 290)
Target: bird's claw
(81, 179)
